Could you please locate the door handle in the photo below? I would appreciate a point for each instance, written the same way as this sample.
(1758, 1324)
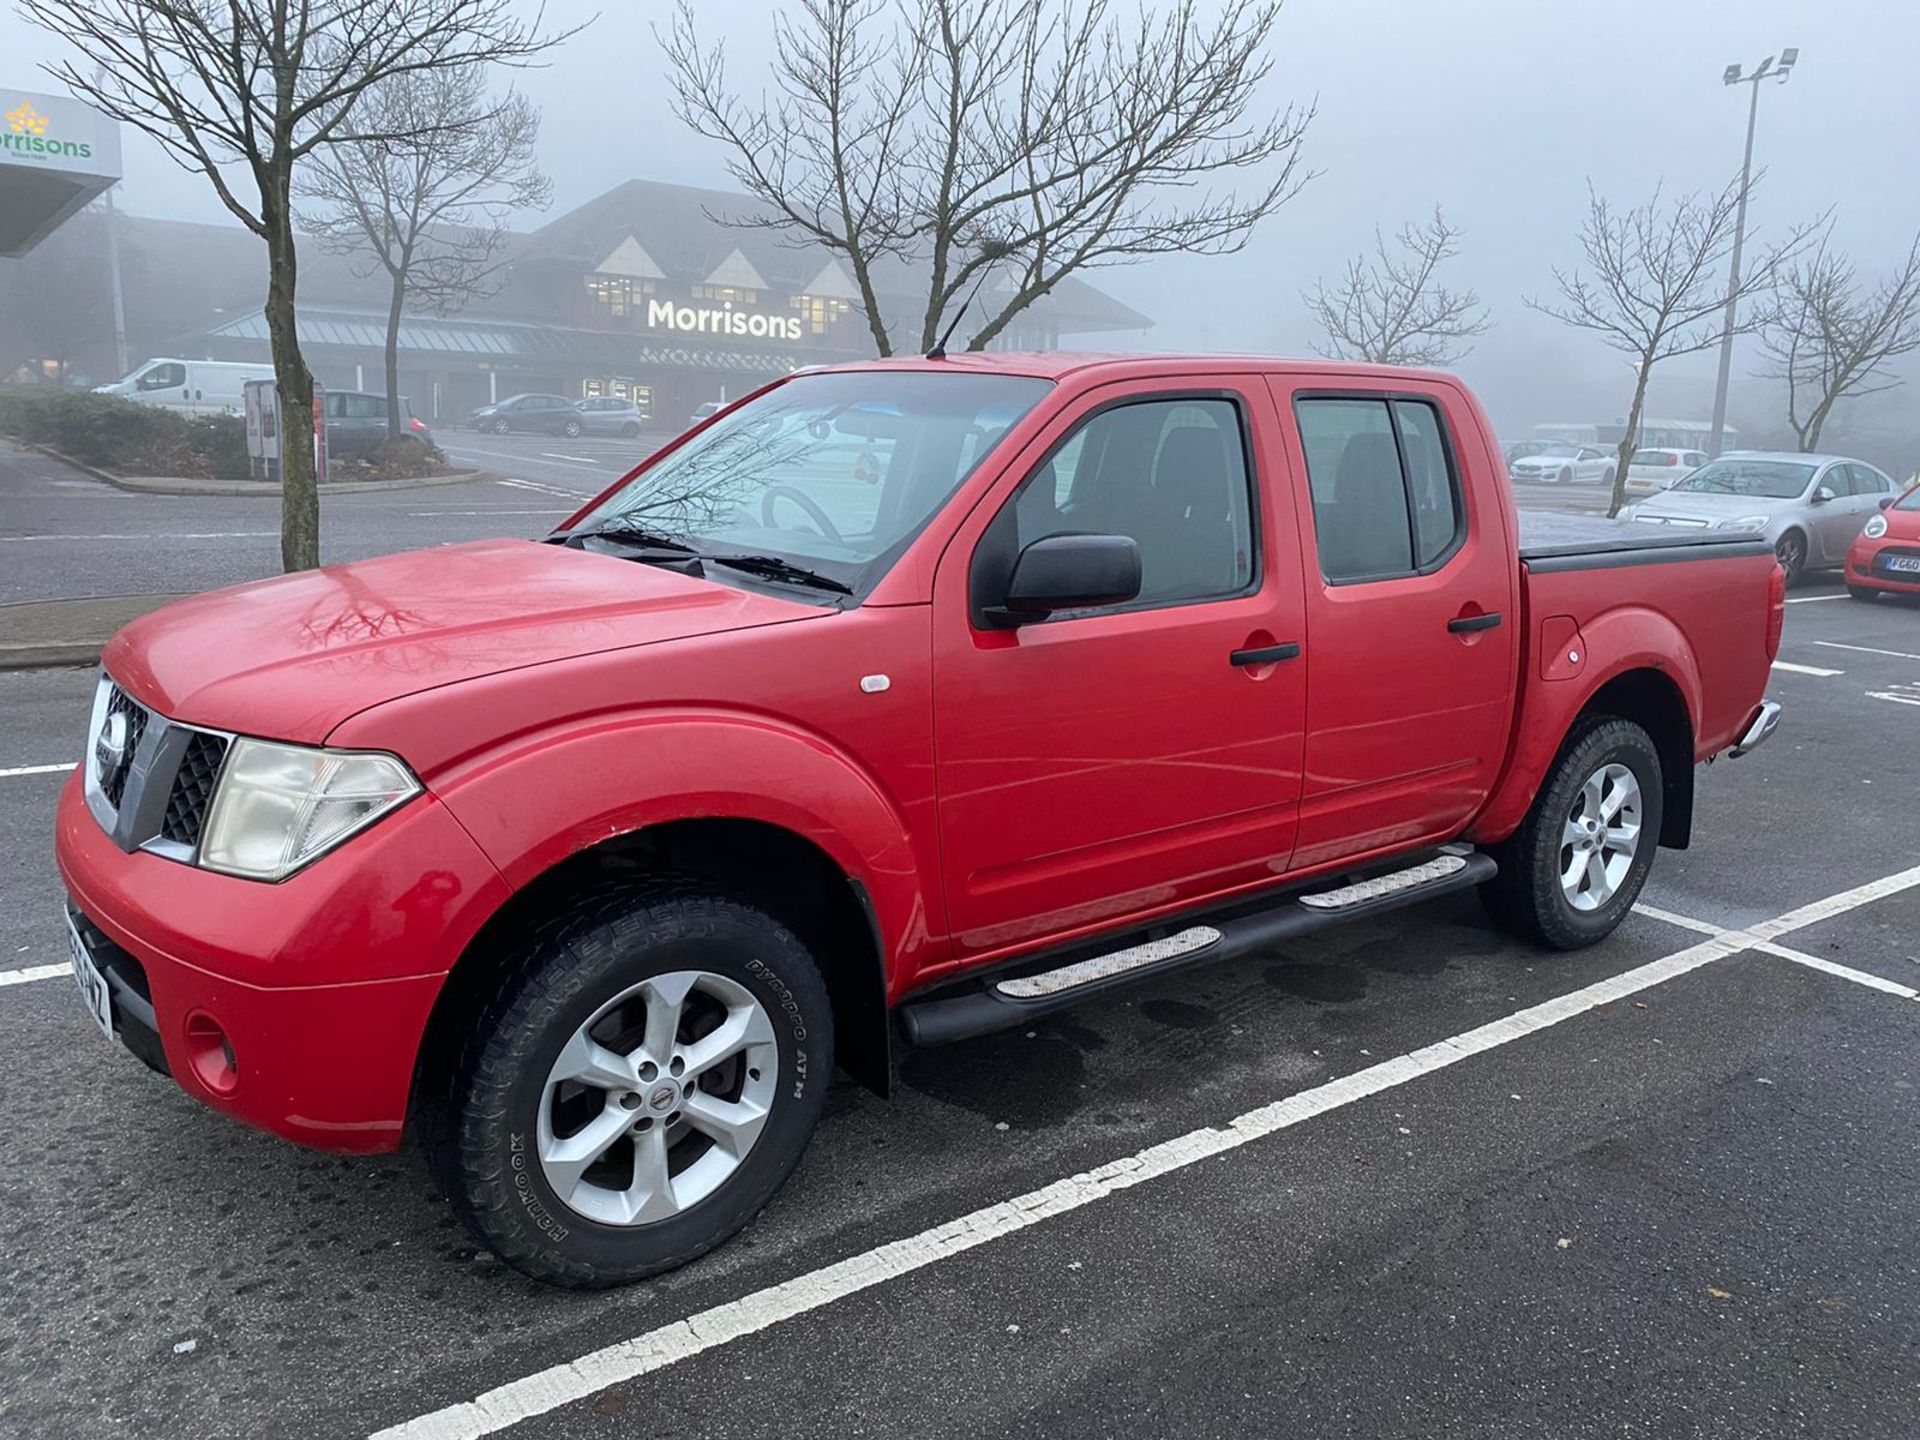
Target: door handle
(1466, 624)
(1266, 654)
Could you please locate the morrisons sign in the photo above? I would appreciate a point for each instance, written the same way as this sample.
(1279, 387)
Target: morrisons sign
(701, 320)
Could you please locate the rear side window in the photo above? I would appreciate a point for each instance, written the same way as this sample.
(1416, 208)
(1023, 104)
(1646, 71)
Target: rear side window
(1386, 499)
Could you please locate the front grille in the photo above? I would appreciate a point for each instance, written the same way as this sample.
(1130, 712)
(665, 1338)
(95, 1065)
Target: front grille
(192, 788)
(113, 782)
(1881, 567)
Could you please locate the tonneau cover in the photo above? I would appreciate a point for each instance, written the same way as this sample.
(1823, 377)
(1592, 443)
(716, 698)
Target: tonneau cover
(1551, 536)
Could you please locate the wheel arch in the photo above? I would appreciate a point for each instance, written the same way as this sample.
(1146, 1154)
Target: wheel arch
(1650, 699)
(765, 865)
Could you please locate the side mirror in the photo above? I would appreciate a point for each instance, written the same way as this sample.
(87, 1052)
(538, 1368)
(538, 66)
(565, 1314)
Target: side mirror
(1823, 496)
(1886, 502)
(1069, 572)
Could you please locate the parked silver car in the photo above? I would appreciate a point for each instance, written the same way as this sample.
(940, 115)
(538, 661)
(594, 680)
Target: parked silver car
(1809, 507)
(609, 415)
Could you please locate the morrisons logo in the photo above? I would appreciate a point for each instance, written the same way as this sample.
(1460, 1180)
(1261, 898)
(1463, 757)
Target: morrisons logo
(665, 315)
(26, 134)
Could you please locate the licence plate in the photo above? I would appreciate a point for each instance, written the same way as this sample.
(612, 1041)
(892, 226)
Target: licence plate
(93, 985)
(1910, 563)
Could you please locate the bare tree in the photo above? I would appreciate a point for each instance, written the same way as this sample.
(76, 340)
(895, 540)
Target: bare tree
(431, 206)
(1390, 309)
(1019, 139)
(243, 90)
(1830, 339)
(1654, 289)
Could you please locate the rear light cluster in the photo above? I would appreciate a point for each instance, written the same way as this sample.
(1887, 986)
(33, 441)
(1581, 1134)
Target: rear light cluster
(413, 424)
(1776, 611)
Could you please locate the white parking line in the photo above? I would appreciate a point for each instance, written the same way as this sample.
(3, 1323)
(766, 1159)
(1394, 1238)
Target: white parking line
(1684, 922)
(38, 770)
(436, 514)
(571, 459)
(1845, 972)
(34, 972)
(1813, 599)
(1913, 699)
(547, 1390)
(545, 489)
(1792, 669)
(1868, 650)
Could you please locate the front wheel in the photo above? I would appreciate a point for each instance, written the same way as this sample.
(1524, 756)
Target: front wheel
(1566, 477)
(646, 1078)
(500, 427)
(1572, 871)
(570, 429)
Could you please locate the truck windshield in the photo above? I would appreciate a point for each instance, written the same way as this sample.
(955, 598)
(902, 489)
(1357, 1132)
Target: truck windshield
(1766, 479)
(833, 473)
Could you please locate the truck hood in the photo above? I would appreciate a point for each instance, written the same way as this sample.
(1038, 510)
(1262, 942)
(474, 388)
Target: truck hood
(290, 658)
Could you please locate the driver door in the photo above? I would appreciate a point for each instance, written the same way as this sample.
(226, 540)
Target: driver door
(1102, 764)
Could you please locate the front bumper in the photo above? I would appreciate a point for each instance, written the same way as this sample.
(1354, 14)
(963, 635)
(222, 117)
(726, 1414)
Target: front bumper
(1867, 565)
(322, 984)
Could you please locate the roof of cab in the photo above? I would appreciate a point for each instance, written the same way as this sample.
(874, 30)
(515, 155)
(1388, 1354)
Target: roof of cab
(1087, 364)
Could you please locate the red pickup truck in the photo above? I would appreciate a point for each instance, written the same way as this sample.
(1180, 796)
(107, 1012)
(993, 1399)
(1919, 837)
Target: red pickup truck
(894, 703)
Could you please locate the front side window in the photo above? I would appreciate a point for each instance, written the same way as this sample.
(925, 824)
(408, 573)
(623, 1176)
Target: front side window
(835, 472)
(1386, 501)
(1172, 475)
(163, 377)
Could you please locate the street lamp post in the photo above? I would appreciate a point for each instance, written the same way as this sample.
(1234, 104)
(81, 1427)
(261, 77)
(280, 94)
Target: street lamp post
(1766, 70)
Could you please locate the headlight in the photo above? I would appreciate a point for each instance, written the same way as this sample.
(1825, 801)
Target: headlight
(1745, 522)
(279, 806)
(1876, 527)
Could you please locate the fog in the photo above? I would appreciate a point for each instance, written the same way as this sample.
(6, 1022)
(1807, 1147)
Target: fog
(1499, 110)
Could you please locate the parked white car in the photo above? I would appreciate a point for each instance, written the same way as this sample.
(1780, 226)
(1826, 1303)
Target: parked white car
(193, 387)
(1563, 463)
(1659, 468)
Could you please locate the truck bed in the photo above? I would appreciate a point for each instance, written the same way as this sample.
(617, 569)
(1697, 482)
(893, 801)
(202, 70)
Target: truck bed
(1550, 542)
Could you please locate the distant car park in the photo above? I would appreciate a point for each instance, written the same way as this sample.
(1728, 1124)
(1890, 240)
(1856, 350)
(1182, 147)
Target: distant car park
(704, 409)
(1659, 468)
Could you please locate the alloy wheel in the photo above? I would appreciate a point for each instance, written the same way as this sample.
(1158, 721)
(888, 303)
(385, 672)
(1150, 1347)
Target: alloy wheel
(1600, 838)
(656, 1099)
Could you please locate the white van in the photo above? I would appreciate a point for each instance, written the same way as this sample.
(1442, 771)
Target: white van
(193, 387)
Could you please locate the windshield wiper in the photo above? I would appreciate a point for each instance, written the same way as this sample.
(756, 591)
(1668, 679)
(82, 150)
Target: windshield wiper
(772, 567)
(623, 533)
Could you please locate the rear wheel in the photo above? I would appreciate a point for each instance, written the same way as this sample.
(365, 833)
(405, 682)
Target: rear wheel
(500, 427)
(645, 1079)
(1862, 594)
(570, 428)
(1791, 552)
(630, 430)
(1572, 871)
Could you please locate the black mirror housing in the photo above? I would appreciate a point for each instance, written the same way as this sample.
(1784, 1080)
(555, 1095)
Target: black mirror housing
(1069, 572)
(1886, 502)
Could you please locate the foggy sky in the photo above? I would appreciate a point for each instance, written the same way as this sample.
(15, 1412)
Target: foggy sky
(1499, 110)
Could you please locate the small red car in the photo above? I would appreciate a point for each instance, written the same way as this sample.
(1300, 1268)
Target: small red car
(1885, 557)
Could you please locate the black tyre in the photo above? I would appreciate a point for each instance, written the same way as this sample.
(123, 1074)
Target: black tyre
(1791, 551)
(500, 427)
(646, 1078)
(1572, 871)
(570, 428)
(1862, 594)
(630, 430)
(1566, 477)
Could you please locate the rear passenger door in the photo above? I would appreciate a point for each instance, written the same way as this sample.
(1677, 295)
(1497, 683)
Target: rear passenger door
(1412, 593)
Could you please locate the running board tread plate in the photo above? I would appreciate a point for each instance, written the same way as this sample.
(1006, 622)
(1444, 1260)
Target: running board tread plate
(1381, 886)
(1102, 967)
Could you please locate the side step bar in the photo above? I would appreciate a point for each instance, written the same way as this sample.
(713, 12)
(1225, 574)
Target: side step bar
(995, 1002)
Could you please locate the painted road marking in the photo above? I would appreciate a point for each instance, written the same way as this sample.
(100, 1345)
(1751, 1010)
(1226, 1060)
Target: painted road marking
(38, 770)
(34, 972)
(1845, 972)
(1792, 669)
(1684, 922)
(570, 459)
(1813, 599)
(543, 489)
(435, 514)
(574, 1380)
(1913, 699)
(156, 535)
(1869, 650)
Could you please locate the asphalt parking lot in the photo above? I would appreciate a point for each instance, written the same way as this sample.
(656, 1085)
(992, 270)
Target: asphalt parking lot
(1407, 1178)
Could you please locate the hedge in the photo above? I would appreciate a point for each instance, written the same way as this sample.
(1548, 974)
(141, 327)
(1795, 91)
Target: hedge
(129, 439)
